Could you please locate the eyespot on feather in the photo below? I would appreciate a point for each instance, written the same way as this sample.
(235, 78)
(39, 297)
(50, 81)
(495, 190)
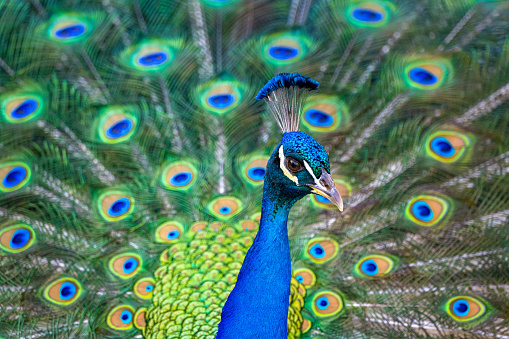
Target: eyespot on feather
(168, 232)
(139, 318)
(178, 176)
(115, 206)
(374, 266)
(254, 170)
(151, 56)
(68, 28)
(144, 288)
(17, 238)
(447, 146)
(221, 96)
(321, 250)
(224, 208)
(326, 304)
(427, 75)
(305, 276)
(63, 291)
(285, 48)
(426, 210)
(323, 113)
(117, 125)
(465, 308)
(370, 14)
(125, 265)
(121, 318)
(14, 175)
(21, 108)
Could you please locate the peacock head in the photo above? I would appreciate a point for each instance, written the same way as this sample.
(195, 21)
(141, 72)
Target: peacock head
(299, 166)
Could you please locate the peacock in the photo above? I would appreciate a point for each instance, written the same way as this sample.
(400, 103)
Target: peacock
(140, 178)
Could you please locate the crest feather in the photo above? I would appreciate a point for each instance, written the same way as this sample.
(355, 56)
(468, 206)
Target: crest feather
(285, 95)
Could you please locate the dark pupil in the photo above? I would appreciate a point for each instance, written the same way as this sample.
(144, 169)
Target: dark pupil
(444, 146)
(66, 291)
(117, 127)
(318, 251)
(424, 211)
(424, 76)
(371, 267)
(12, 176)
(180, 177)
(462, 307)
(18, 239)
(128, 265)
(294, 165)
(125, 317)
(323, 303)
(118, 206)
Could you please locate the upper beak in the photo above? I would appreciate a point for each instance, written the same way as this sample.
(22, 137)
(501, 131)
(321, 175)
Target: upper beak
(326, 188)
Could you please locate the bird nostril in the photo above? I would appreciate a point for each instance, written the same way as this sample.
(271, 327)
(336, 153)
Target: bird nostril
(324, 183)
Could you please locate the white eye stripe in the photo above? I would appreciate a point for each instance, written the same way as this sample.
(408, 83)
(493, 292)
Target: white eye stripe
(286, 172)
(310, 171)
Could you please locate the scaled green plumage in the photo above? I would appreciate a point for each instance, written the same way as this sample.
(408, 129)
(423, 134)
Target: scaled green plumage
(132, 152)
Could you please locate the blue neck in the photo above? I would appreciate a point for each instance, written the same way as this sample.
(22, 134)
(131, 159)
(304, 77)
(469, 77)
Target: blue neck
(258, 305)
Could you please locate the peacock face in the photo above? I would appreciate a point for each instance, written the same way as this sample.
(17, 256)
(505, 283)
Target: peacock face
(301, 165)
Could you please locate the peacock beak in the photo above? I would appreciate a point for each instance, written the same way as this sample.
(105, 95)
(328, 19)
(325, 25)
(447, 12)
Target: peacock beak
(326, 188)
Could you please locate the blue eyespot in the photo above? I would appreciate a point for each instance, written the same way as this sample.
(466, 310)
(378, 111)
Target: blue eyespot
(173, 234)
(119, 129)
(19, 238)
(70, 31)
(460, 307)
(119, 207)
(318, 118)
(26, 108)
(322, 199)
(221, 100)
(153, 59)
(256, 173)
(299, 278)
(422, 210)
(442, 147)
(129, 265)
(422, 76)
(369, 267)
(67, 290)
(225, 210)
(366, 15)
(318, 251)
(14, 177)
(283, 52)
(322, 303)
(149, 288)
(126, 317)
(181, 179)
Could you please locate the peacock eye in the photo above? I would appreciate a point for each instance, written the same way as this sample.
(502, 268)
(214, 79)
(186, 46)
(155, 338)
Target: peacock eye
(293, 165)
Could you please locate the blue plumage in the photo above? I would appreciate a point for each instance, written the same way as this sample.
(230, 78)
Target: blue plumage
(258, 305)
